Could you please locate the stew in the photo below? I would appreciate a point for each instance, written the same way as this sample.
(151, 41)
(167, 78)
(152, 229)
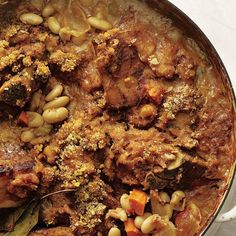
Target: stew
(113, 122)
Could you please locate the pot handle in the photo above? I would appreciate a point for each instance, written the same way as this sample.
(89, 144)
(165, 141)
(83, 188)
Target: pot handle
(227, 216)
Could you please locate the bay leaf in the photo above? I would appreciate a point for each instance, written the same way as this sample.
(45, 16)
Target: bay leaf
(26, 222)
(12, 217)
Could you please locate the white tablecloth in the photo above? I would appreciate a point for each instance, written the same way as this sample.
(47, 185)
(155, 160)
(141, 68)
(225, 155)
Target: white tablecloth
(217, 19)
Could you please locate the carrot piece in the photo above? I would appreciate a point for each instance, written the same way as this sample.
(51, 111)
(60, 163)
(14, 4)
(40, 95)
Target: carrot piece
(23, 118)
(137, 200)
(131, 229)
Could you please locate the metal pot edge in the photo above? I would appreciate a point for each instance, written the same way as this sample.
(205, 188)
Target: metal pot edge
(185, 23)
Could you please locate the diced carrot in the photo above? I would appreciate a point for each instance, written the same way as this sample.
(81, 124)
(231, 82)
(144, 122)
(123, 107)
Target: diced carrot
(131, 229)
(23, 118)
(137, 200)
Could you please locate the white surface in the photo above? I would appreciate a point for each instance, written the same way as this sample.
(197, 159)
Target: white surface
(217, 19)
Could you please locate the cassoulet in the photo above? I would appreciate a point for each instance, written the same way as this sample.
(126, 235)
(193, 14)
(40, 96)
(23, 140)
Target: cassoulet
(112, 122)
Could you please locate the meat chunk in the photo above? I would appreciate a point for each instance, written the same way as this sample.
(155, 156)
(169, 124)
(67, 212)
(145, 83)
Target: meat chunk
(22, 64)
(89, 205)
(121, 78)
(22, 184)
(7, 200)
(162, 60)
(182, 129)
(148, 157)
(182, 98)
(181, 177)
(135, 154)
(213, 123)
(185, 68)
(164, 57)
(57, 209)
(18, 89)
(17, 175)
(21, 181)
(18, 178)
(122, 93)
(89, 78)
(121, 70)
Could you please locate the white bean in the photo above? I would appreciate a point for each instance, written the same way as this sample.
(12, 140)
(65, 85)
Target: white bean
(35, 119)
(165, 198)
(176, 197)
(35, 101)
(50, 153)
(48, 10)
(114, 232)
(176, 163)
(54, 25)
(65, 34)
(31, 19)
(138, 221)
(40, 140)
(55, 92)
(55, 115)
(165, 210)
(167, 231)
(79, 40)
(57, 102)
(38, 4)
(27, 136)
(41, 105)
(117, 213)
(178, 200)
(99, 23)
(151, 223)
(43, 130)
(124, 201)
